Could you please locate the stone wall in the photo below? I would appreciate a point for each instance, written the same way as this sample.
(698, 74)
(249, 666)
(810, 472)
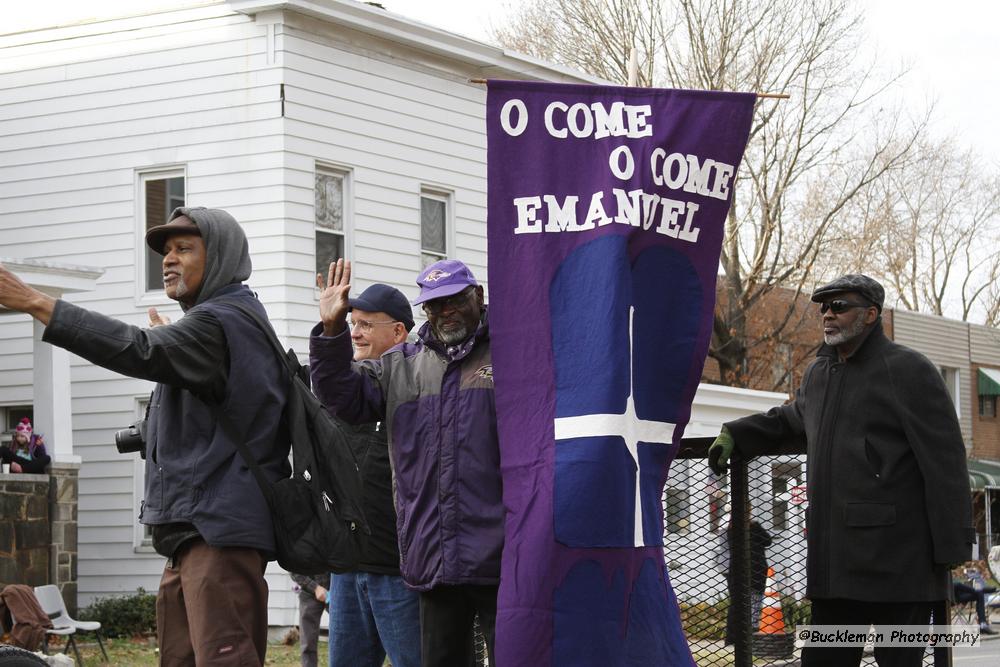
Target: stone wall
(38, 530)
(25, 533)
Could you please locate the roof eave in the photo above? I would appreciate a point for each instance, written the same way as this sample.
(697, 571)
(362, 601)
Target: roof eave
(397, 28)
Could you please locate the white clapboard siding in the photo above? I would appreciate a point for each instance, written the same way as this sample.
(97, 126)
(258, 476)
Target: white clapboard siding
(247, 107)
(80, 118)
(946, 343)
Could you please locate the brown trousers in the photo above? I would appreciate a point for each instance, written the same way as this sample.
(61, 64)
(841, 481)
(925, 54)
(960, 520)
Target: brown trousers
(212, 607)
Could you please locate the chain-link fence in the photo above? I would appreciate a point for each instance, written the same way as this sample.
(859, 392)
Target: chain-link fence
(736, 555)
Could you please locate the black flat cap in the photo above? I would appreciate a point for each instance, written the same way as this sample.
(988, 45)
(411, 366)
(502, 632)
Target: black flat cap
(867, 287)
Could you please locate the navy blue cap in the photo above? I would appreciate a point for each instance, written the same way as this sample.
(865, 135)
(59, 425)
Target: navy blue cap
(381, 298)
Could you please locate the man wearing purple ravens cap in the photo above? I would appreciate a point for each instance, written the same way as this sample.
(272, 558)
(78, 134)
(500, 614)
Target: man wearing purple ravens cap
(436, 396)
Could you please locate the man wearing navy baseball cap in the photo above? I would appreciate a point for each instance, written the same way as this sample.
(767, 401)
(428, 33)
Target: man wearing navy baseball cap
(373, 614)
(436, 395)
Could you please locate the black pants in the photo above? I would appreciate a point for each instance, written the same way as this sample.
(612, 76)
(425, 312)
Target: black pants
(446, 619)
(858, 612)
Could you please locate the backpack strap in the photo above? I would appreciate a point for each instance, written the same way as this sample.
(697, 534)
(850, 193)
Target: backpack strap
(233, 433)
(229, 427)
(268, 330)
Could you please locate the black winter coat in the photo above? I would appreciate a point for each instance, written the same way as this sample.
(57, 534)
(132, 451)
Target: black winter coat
(888, 487)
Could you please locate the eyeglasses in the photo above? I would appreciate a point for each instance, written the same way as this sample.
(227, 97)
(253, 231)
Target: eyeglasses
(437, 306)
(839, 306)
(367, 326)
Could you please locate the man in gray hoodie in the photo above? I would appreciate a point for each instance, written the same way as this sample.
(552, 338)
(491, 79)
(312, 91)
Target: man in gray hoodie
(208, 515)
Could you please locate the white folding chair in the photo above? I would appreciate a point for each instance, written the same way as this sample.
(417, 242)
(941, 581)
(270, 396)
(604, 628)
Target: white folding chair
(54, 632)
(52, 604)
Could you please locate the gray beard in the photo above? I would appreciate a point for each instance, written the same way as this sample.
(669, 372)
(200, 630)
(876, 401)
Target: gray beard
(845, 336)
(453, 337)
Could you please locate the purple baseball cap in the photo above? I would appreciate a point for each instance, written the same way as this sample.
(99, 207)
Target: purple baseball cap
(443, 278)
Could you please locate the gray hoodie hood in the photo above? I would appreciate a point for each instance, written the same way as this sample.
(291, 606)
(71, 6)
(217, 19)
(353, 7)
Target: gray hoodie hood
(227, 254)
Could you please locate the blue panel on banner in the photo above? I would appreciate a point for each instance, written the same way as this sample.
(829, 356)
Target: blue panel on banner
(595, 492)
(653, 461)
(654, 626)
(589, 617)
(666, 294)
(589, 300)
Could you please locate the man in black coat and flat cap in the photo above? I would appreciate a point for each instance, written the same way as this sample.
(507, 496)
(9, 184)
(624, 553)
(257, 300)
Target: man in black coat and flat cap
(889, 502)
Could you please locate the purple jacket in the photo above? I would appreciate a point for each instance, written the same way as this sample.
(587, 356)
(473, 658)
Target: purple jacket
(438, 405)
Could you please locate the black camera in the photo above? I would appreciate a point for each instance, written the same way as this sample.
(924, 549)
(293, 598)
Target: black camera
(132, 439)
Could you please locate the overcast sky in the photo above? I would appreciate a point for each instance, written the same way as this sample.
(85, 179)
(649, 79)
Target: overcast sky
(949, 46)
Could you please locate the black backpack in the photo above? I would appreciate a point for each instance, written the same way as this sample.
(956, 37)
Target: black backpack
(317, 513)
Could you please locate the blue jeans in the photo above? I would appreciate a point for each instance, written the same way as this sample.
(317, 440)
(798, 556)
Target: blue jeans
(371, 616)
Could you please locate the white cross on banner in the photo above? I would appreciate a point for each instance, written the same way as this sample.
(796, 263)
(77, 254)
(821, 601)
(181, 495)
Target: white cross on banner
(626, 425)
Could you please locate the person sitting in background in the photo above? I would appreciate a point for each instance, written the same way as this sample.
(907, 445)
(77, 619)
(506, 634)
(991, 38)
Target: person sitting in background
(27, 451)
(975, 591)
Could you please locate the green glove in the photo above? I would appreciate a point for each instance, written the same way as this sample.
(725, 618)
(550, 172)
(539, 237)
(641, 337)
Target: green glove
(720, 451)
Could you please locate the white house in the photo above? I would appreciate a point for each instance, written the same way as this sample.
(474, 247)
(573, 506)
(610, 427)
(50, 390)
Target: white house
(327, 127)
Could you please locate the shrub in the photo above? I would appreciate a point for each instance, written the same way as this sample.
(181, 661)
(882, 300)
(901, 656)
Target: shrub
(702, 620)
(124, 616)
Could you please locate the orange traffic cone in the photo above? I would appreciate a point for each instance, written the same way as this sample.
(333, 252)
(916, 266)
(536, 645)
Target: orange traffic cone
(772, 622)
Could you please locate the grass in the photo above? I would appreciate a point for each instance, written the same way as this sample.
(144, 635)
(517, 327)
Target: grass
(141, 652)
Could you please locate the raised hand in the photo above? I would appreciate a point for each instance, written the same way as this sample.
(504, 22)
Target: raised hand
(157, 320)
(333, 299)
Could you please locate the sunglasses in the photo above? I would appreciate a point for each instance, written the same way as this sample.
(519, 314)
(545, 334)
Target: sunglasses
(839, 306)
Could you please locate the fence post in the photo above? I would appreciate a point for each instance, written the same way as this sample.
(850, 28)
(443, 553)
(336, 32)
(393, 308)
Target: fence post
(942, 616)
(740, 561)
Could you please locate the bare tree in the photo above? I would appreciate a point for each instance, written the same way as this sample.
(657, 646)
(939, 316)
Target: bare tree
(808, 158)
(931, 231)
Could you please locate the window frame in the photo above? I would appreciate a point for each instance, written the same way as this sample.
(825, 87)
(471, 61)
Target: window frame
(145, 297)
(952, 377)
(448, 198)
(346, 174)
(983, 400)
(783, 476)
(7, 436)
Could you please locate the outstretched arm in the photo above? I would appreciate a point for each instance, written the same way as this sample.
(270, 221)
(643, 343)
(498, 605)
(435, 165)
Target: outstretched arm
(16, 295)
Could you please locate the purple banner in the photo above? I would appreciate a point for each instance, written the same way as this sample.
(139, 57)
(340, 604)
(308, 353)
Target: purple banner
(607, 207)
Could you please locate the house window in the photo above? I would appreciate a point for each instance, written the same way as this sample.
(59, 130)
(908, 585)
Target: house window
(160, 192)
(784, 476)
(435, 211)
(988, 407)
(330, 211)
(951, 378)
(142, 539)
(10, 417)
